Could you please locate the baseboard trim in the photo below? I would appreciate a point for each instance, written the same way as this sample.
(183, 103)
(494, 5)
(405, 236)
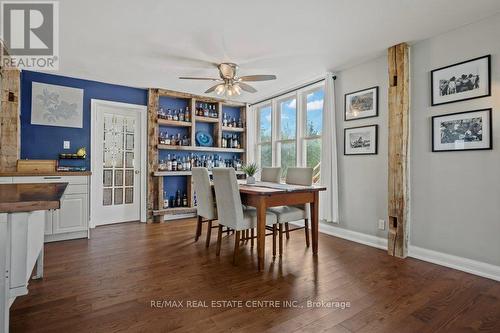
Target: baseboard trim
(462, 264)
(358, 237)
(443, 259)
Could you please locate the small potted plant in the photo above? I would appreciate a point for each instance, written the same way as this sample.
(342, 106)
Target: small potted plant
(250, 170)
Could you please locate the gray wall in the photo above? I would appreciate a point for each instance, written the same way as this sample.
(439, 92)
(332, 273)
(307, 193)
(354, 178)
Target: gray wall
(455, 196)
(363, 178)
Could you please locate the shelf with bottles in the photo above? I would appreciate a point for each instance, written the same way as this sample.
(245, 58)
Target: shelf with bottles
(175, 192)
(174, 137)
(174, 111)
(182, 162)
(206, 112)
(183, 173)
(231, 141)
(199, 148)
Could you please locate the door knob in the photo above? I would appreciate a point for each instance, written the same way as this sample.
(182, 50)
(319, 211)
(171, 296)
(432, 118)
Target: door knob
(137, 172)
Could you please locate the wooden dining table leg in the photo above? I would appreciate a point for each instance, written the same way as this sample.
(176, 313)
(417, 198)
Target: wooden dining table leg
(261, 232)
(315, 222)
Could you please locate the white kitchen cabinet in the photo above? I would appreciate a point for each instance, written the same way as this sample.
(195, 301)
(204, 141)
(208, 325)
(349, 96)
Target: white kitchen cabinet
(71, 221)
(73, 214)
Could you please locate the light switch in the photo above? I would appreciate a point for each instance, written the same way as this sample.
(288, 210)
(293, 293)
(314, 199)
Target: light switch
(66, 144)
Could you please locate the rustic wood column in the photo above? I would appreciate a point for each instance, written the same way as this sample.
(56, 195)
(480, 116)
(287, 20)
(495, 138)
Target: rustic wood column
(9, 118)
(399, 113)
(153, 100)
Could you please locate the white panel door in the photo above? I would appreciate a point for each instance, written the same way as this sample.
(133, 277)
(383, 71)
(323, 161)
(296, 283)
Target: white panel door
(116, 163)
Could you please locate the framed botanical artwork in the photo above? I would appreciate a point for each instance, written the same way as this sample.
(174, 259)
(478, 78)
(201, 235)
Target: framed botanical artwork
(360, 140)
(469, 130)
(462, 81)
(361, 104)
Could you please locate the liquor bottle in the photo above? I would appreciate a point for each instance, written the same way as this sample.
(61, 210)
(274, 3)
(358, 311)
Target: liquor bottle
(224, 121)
(169, 114)
(174, 163)
(185, 163)
(179, 164)
(187, 114)
(172, 140)
(166, 139)
(178, 199)
(169, 163)
(224, 142)
(181, 115)
(165, 200)
(238, 142)
(234, 122)
(178, 139)
(161, 138)
(184, 200)
(240, 123)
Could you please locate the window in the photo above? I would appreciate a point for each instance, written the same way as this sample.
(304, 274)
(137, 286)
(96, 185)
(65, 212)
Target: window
(264, 137)
(287, 134)
(313, 129)
(289, 130)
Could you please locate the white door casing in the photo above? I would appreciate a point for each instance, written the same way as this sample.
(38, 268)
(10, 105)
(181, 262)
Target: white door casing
(118, 159)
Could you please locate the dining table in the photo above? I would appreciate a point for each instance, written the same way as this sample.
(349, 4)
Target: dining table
(263, 195)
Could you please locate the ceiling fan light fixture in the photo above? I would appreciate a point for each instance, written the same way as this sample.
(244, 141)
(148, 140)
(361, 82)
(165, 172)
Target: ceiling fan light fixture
(237, 89)
(220, 89)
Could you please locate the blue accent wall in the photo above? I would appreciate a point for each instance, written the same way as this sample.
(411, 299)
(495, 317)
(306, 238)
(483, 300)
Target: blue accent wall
(46, 142)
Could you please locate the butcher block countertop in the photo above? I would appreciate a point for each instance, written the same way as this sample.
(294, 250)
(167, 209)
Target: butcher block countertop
(30, 197)
(42, 174)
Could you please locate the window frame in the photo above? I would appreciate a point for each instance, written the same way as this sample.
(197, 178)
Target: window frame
(301, 137)
(259, 143)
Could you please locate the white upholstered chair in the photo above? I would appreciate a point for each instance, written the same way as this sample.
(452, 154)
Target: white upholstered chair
(285, 214)
(230, 210)
(206, 209)
(272, 175)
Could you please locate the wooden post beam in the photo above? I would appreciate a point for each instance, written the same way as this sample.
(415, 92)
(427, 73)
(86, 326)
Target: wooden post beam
(9, 117)
(399, 112)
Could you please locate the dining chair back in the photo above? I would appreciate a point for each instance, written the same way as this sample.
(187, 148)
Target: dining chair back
(229, 208)
(206, 203)
(270, 175)
(299, 176)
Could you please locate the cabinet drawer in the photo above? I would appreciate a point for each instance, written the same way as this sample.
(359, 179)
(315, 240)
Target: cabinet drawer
(76, 189)
(52, 179)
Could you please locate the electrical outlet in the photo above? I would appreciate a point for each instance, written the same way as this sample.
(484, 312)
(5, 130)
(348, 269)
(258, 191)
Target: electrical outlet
(66, 144)
(381, 224)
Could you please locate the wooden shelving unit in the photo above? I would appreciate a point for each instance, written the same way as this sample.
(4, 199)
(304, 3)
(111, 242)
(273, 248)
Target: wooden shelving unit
(206, 119)
(232, 129)
(201, 148)
(182, 173)
(156, 180)
(174, 123)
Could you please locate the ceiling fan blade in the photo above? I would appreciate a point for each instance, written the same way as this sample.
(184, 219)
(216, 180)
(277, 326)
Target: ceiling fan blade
(247, 87)
(198, 78)
(249, 78)
(211, 89)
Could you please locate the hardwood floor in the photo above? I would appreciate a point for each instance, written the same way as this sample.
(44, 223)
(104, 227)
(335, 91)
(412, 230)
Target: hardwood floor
(107, 284)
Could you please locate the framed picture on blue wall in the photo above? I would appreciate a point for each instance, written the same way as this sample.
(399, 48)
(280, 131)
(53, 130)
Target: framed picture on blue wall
(53, 105)
(461, 81)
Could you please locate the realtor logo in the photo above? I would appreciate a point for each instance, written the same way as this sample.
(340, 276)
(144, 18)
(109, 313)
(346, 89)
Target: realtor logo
(30, 32)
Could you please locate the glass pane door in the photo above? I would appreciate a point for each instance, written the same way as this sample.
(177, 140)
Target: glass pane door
(118, 160)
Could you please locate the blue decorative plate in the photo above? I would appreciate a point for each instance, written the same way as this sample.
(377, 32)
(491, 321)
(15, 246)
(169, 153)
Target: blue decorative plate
(204, 139)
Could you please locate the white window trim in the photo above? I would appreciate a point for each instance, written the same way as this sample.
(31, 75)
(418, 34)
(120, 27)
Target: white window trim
(300, 137)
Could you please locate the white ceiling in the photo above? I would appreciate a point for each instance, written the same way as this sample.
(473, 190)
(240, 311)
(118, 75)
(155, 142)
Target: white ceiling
(150, 43)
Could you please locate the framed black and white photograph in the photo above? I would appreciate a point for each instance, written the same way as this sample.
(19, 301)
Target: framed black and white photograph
(469, 130)
(459, 82)
(360, 140)
(361, 104)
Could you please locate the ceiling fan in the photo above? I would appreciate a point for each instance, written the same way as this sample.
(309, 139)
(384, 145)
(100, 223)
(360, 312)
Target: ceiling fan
(229, 82)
